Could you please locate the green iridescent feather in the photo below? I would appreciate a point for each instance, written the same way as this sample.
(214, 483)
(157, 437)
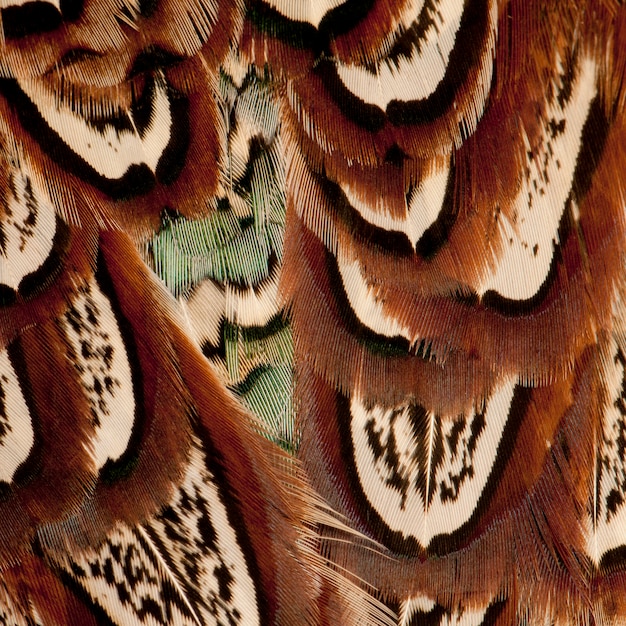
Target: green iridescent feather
(239, 249)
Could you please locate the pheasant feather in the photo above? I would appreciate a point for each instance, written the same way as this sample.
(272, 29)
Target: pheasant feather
(312, 312)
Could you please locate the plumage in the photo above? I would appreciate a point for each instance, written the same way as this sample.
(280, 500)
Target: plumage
(312, 312)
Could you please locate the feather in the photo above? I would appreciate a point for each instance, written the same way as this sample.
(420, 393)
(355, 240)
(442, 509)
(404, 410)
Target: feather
(135, 488)
(312, 312)
(450, 299)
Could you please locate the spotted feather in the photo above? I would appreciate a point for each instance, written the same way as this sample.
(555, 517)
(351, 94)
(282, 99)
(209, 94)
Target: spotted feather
(312, 312)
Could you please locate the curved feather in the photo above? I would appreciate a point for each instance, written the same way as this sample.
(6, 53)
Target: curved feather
(454, 282)
(393, 231)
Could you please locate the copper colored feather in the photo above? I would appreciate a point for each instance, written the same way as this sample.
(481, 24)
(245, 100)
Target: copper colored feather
(312, 312)
(454, 265)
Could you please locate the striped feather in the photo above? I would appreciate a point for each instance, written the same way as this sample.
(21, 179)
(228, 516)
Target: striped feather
(453, 267)
(312, 312)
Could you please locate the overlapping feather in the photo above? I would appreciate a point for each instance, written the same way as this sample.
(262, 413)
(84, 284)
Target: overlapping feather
(401, 222)
(136, 489)
(453, 266)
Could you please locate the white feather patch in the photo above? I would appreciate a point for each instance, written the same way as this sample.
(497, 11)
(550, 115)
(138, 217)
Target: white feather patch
(109, 150)
(423, 209)
(209, 304)
(606, 529)
(27, 230)
(239, 150)
(199, 537)
(12, 615)
(205, 309)
(311, 11)
(252, 306)
(424, 476)
(101, 361)
(541, 201)
(415, 77)
(18, 3)
(412, 605)
(368, 309)
(421, 609)
(129, 581)
(16, 427)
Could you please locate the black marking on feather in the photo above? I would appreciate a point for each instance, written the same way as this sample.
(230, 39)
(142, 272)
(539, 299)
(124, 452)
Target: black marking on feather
(438, 233)
(31, 468)
(440, 544)
(7, 296)
(554, 180)
(72, 57)
(33, 239)
(152, 59)
(616, 497)
(593, 140)
(169, 216)
(27, 226)
(97, 354)
(614, 560)
(216, 466)
(257, 146)
(466, 54)
(336, 22)
(147, 8)
(114, 470)
(395, 242)
(510, 307)
(377, 344)
(396, 156)
(218, 351)
(411, 38)
(173, 158)
(5, 421)
(248, 384)
(37, 16)
(493, 613)
(128, 571)
(138, 178)
(268, 20)
(388, 240)
(439, 616)
(448, 489)
(277, 323)
(38, 281)
(188, 537)
(342, 19)
(610, 481)
(369, 116)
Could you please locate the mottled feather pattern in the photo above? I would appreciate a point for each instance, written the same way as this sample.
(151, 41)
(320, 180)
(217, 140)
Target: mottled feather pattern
(312, 312)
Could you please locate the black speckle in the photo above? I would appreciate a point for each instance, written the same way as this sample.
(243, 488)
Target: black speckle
(225, 581)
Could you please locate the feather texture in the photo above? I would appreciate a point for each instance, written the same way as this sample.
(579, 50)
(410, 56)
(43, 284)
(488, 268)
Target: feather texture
(312, 312)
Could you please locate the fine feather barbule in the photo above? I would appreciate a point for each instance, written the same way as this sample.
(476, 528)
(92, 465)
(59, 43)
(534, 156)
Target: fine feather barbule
(136, 489)
(395, 231)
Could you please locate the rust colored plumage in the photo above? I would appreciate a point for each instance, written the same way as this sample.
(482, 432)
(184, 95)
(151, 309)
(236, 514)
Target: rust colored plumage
(387, 382)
